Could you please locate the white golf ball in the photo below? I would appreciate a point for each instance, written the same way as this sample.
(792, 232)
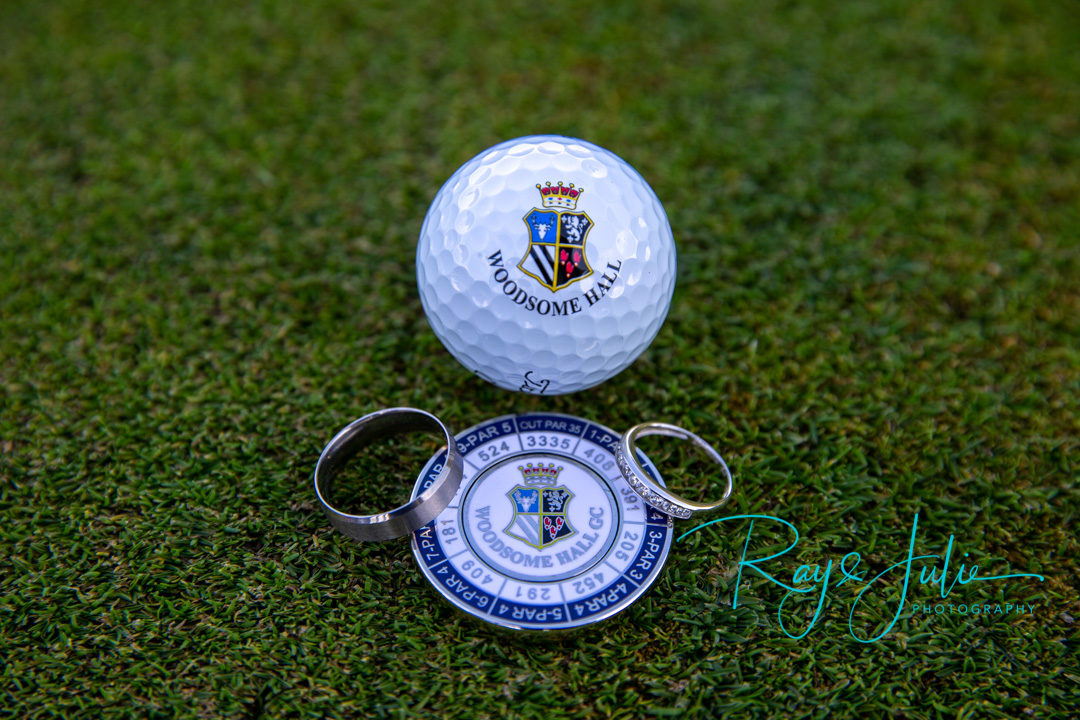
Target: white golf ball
(546, 264)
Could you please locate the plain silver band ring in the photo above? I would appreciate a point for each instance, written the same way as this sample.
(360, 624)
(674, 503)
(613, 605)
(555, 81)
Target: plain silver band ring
(655, 496)
(411, 516)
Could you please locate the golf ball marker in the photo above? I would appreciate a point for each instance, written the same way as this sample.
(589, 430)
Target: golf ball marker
(544, 533)
(546, 265)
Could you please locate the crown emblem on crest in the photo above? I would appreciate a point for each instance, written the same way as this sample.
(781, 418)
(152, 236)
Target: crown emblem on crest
(560, 196)
(540, 475)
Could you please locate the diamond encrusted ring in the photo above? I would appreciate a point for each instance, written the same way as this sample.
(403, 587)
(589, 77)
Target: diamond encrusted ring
(654, 495)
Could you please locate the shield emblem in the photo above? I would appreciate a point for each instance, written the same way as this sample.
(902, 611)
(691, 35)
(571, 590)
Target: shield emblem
(556, 254)
(540, 515)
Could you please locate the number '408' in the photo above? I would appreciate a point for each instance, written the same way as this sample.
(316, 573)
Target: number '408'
(600, 459)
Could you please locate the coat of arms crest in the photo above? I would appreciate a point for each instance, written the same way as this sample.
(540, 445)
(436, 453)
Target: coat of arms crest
(556, 254)
(540, 516)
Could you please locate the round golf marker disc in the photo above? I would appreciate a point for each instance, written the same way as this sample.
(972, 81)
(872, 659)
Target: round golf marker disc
(544, 533)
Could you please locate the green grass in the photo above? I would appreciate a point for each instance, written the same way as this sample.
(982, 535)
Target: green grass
(208, 216)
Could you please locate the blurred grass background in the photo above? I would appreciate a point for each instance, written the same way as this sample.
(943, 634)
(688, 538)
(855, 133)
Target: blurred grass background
(208, 216)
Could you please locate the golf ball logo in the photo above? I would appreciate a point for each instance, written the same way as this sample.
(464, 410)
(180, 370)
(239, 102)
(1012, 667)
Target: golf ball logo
(556, 254)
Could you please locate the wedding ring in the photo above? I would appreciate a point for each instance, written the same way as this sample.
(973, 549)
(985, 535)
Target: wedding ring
(651, 492)
(401, 520)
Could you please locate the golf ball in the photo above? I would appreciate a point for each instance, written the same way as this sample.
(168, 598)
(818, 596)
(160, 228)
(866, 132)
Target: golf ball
(546, 265)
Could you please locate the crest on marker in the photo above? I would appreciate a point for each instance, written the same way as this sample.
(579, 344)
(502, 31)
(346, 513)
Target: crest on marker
(540, 507)
(556, 254)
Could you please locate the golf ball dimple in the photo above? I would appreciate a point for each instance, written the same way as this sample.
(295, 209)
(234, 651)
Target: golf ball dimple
(546, 264)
